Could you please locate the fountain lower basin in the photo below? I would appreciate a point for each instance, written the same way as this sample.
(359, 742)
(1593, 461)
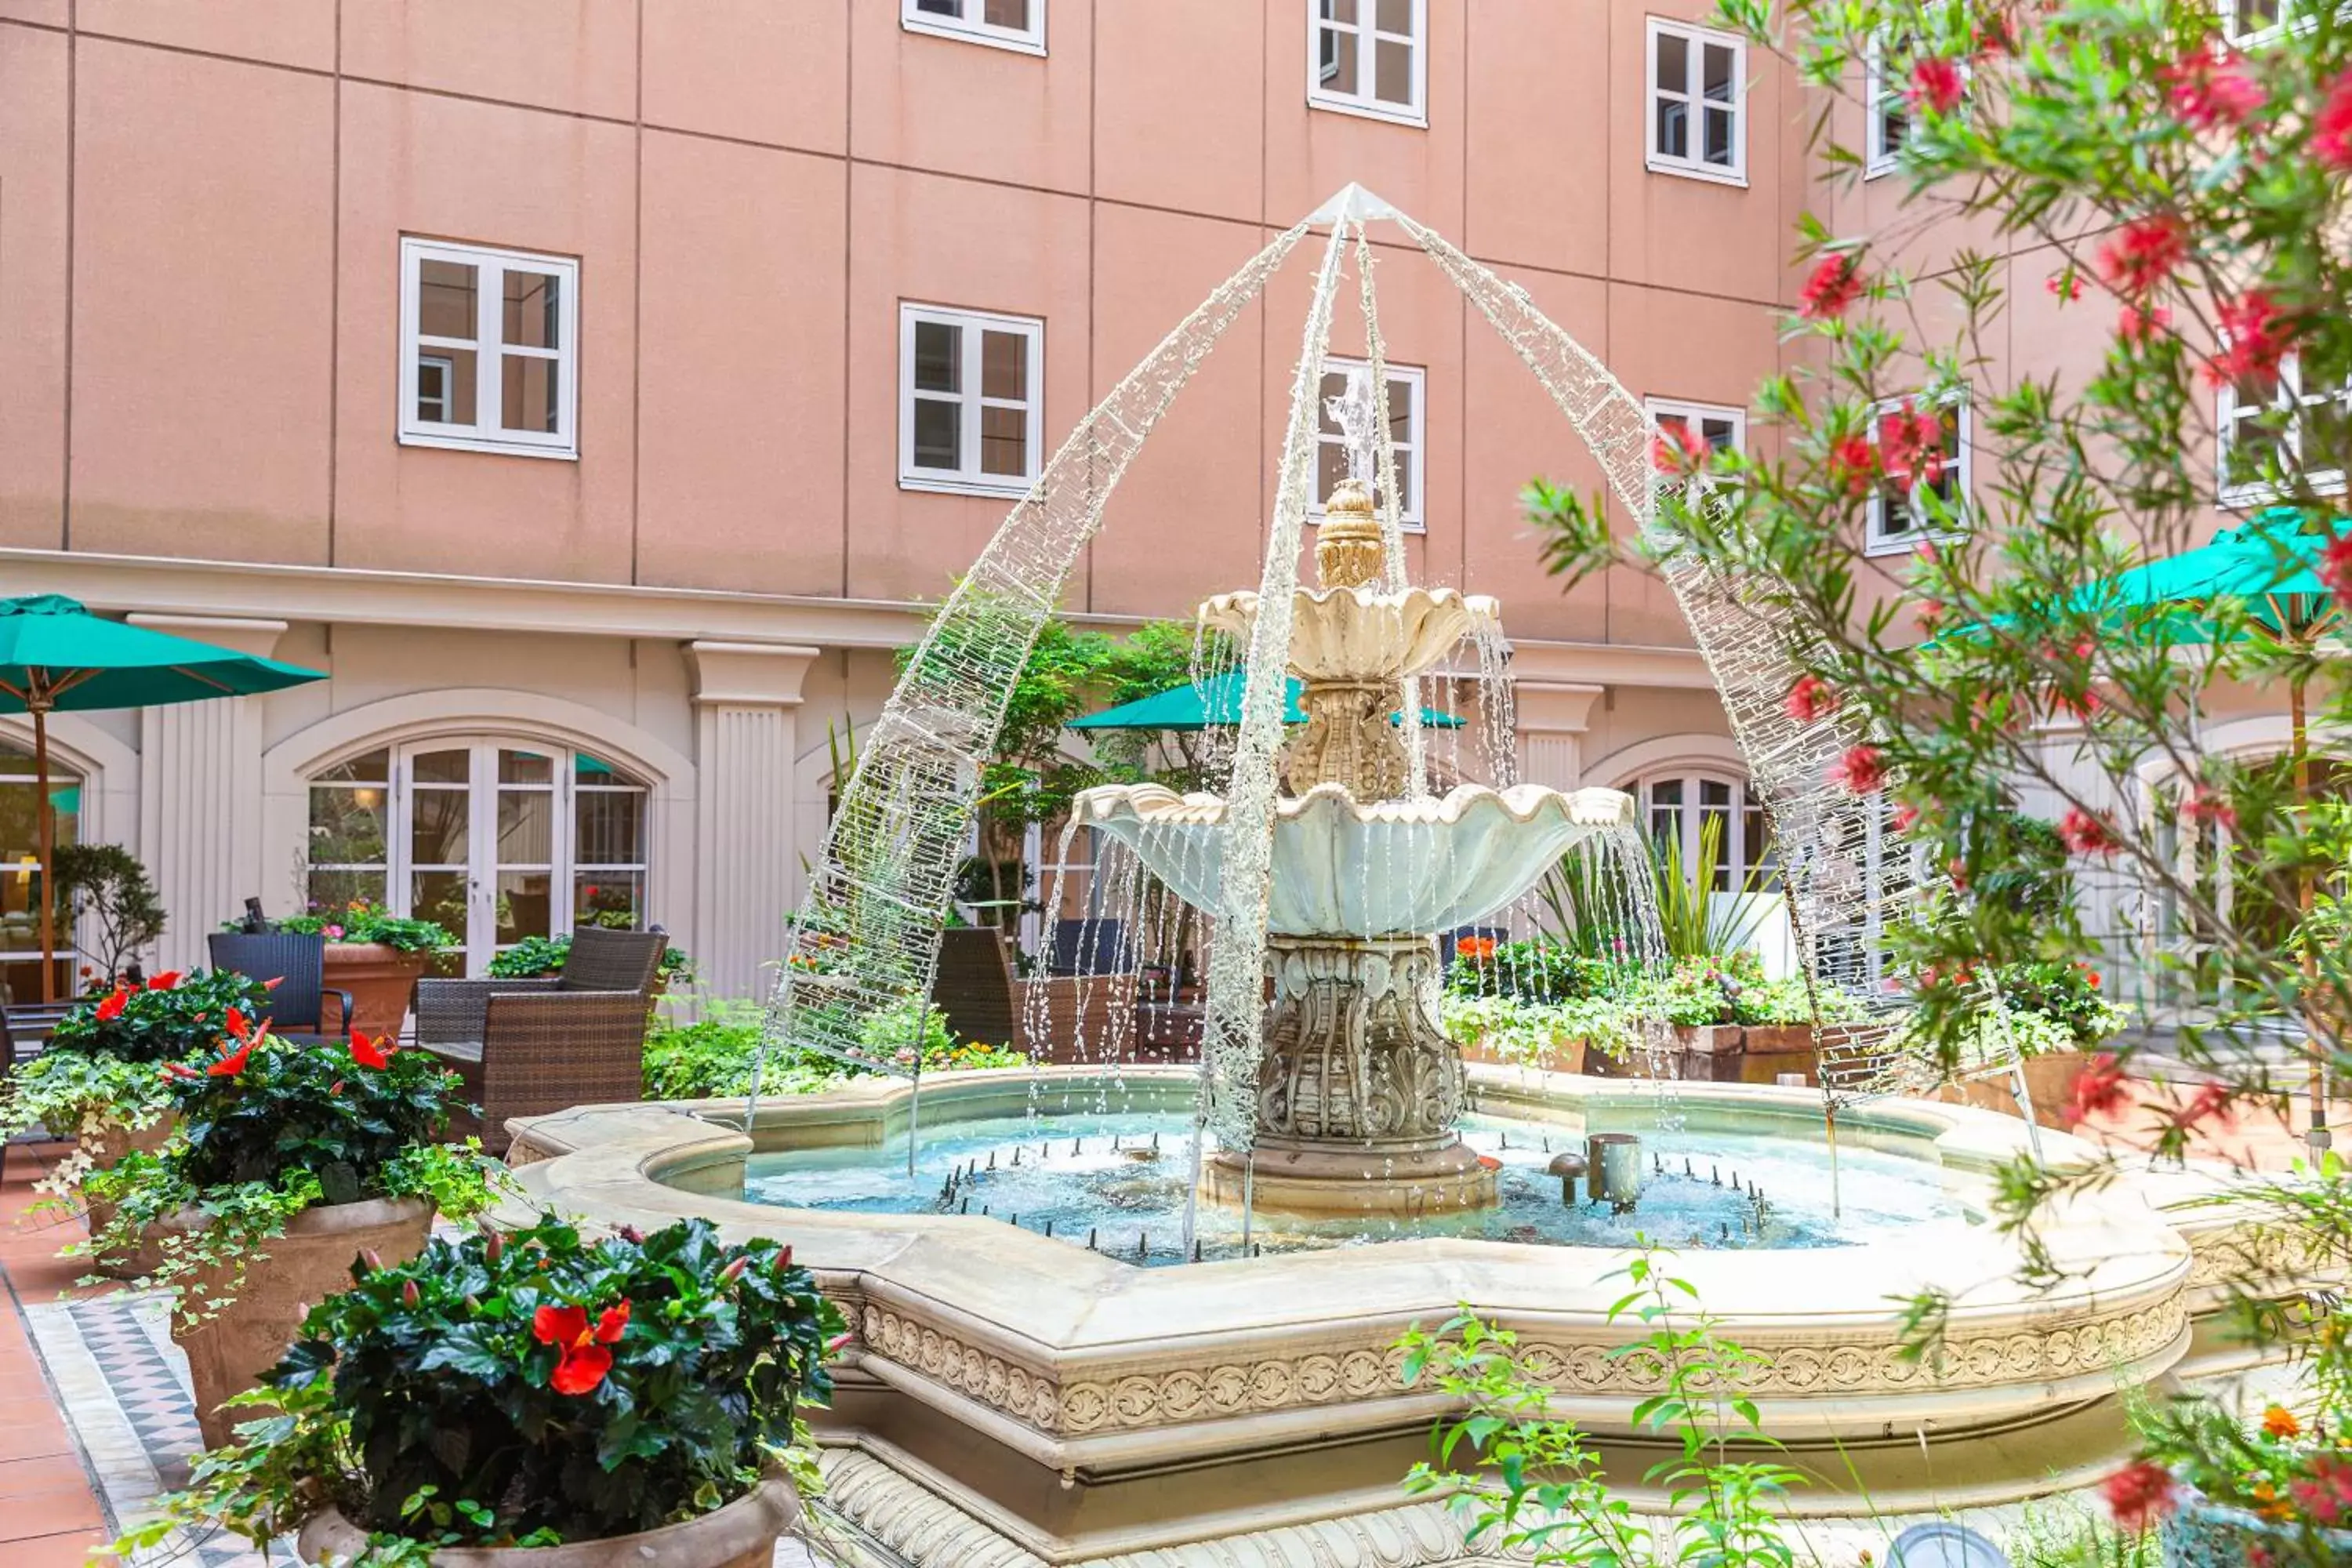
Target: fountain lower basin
(1031, 1397)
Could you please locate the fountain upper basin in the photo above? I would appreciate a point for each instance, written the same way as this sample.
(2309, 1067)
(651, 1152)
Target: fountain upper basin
(1349, 868)
(1348, 635)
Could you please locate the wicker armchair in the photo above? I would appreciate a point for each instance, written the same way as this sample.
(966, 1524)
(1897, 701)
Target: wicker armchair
(296, 1008)
(525, 1047)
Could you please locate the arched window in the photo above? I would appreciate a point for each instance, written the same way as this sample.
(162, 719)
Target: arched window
(20, 870)
(496, 839)
(1680, 802)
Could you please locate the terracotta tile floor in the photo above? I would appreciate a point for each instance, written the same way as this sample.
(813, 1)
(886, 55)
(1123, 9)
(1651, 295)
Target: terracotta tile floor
(50, 1511)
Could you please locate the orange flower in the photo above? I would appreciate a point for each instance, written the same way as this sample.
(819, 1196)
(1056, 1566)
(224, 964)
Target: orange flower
(111, 1008)
(165, 980)
(371, 1053)
(2278, 1421)
(1476, 949)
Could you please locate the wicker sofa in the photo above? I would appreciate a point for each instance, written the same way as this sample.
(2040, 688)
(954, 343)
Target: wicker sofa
(528, 1047)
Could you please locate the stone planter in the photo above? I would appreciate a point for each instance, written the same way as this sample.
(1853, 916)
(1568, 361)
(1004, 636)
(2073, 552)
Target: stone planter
(228, 1352)
(1566, 1053)
(381, 980)
(1770, 1049)
(106, 1150)
(744, 1534)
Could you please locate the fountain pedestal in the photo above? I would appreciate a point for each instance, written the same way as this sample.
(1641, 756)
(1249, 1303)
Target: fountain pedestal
(1358, 1091)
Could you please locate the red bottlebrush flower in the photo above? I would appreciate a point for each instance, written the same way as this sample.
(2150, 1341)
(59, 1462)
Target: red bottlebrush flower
(1834, 284)
(2211, 1099)
(2209, 804)
(1995, 33)
(2331, 127)
(166, 981)
(1955, 872)
(2212, 87)
(2142, 254)
(371, 1053)
(2335, 569)
(2102, 1090)
(2066, 285)
(1911, 444)
(1905, 817)
(110, 1008)
(1853, 462)
(2087, 834)
(1678, 449)
(2078, 708)
(2137, 323)
(1811, 699)
(2139, 1494)
(1861, 771)
(581, 1359)
(1936, 82)
(2254, 336)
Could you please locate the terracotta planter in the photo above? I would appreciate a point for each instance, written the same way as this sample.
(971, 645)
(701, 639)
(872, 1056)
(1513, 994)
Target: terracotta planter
(228, 1352)
(381, 980)
(106, 1150)
(2049, 1080)
(744, 1534)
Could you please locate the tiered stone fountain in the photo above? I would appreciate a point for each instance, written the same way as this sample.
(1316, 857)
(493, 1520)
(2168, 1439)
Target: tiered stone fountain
(1360, 1090)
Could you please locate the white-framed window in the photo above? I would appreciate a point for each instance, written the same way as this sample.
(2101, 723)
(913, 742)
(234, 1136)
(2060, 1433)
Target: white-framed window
(1408, 396)
(1005, 24)
(2264, 423)
(2251, 23)
(1698, 102)
(1682, 805)
(1369, 57)
(971, 400)
(1887, 116)
(1900, 514)
(1725, 429)
(497, 839)
(490, 348)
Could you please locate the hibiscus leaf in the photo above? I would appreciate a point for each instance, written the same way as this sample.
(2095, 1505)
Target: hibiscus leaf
(468, 1349)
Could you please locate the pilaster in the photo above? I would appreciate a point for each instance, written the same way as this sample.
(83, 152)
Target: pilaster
(1552, 715)
(747, 698)
(200, 793)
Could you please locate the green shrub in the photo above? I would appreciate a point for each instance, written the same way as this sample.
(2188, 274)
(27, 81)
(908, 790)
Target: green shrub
(163, 1020)
(536, 955)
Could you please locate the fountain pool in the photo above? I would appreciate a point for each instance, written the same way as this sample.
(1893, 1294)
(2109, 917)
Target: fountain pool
(1114, 1181)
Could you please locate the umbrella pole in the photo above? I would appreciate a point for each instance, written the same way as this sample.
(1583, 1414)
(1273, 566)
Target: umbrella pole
(2319, 1137)
(46, 819)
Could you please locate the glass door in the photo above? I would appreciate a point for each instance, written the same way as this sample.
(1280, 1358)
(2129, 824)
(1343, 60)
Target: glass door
(522, 853)
(437, 833)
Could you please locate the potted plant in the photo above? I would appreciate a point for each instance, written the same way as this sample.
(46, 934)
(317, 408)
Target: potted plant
(372, 954)
(289, 1159)
(539, 1400)
(100, 1081)
(103, 889)
(536, 955)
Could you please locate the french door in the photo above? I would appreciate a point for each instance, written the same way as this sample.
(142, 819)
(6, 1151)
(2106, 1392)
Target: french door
(478, 823)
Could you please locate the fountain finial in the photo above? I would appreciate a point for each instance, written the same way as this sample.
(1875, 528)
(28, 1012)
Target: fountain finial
(1349, 551)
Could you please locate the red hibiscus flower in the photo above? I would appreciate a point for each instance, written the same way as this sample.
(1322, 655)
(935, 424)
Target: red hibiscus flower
(2254, 338)
(233, 1063)
(1912, 440)
(2213, 85)
(371, 1053)
(2331, 127)
(2143, 253)
(1863, 771)
(2335, 569)
(2102, 1090)
(1812, 698)
(1853, 461)
(581, 1359)
(1835, 283)
(1678, 449)
(165, 980)
(2139, 1494)
(2087, 834)
(1936, 82)
(110, 1008)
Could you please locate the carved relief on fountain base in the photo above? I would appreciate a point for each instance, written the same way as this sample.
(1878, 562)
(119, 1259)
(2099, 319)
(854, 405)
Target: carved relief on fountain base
(1358, 1091)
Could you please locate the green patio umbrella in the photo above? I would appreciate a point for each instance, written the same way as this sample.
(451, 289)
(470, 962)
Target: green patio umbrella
(1216, 701)
(55, 654)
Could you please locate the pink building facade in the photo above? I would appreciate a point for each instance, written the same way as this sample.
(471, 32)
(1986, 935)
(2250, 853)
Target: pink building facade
(597, 389)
